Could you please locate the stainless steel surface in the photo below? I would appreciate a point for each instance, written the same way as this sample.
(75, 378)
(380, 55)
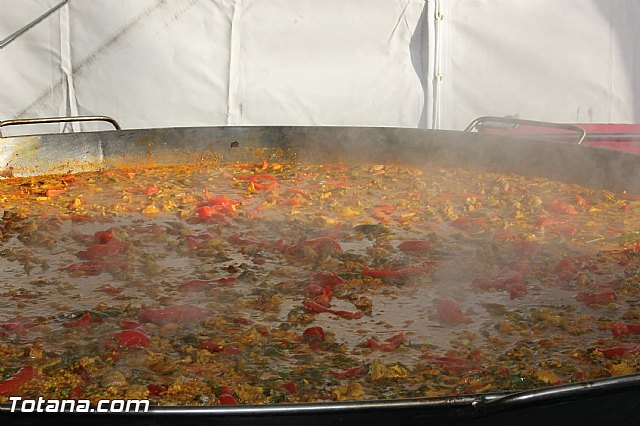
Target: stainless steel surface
(7, 40)
(478, 122)
(49, 120)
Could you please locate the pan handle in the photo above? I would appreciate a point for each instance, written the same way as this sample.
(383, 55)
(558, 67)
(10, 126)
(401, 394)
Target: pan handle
(496, 402)
(477, 123)
(47, 120)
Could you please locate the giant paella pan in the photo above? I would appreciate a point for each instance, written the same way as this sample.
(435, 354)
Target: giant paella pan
(320, 274)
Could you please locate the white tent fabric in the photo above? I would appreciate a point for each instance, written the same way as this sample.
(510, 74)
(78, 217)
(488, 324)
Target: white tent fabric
(154, 63)
(573, 61)
(408, 63)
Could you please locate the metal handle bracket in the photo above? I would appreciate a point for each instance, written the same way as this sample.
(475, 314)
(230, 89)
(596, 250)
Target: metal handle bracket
(48, 120)
(478, 122)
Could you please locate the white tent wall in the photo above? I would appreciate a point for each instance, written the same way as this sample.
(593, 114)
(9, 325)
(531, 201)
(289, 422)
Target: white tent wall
(408, 63)
(157, 63)
(564, 61)
(30, 65)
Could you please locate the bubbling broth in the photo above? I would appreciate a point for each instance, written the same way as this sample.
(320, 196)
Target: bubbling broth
(255, 283)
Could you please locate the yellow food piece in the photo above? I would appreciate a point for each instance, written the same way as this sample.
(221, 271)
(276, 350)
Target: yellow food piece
(352, 391)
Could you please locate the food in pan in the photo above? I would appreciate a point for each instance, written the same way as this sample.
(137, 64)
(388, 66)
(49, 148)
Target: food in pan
(230, 283)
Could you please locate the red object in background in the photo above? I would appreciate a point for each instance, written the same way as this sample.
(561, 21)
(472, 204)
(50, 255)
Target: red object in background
(618, 137)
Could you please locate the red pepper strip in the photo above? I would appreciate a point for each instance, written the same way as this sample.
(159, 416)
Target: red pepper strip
(130, 338)
(151, 190)
(271, 184)
(97, 267)
(633, 349)
(347, 314)
(324, 298)
(313, 333)
(561, 207)
(83, 321)
(379, 212)
(621, 329)
(157, 390)
(211, 212)
(390, 273)
(19, 325)
(415, 245)
(589, 298)
(148, 191)
(211, 347)
(24, 296)
(23, 375)
(449, 313)
(179, 314)
(315, 289)
(391, 345)
(290, 387)
(76, 392)
(315, 307)
(220, 200)
(312, 306)
(314, 336)
(99, 251)
(511, 283)
(317, 243)
(218, 205)
(225, 397)
(327, 279)
(104, 237)
(348, 373)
